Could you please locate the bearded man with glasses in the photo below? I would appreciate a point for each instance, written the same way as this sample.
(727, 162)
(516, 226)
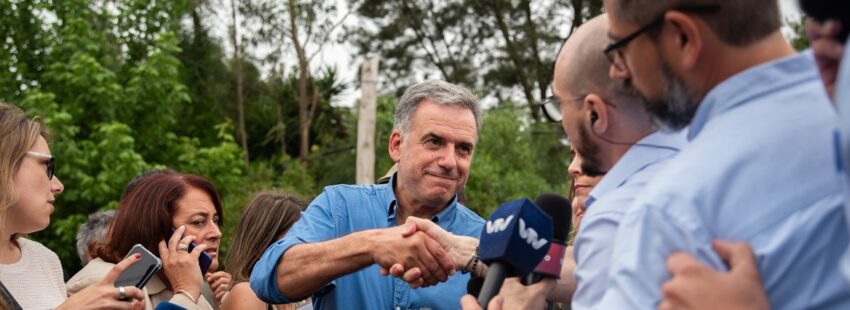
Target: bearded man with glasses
(760, 163)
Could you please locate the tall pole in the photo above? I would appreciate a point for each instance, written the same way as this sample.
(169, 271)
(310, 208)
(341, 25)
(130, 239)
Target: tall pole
(366, 121)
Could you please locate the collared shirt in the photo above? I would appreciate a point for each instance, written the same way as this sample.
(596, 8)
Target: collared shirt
(759, 167)
(842, 103)
(343, 209)
(605, 207)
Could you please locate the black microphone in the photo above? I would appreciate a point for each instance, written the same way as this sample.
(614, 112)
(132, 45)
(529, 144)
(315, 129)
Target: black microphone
(560, 209)
(513, 241)
(473, 287)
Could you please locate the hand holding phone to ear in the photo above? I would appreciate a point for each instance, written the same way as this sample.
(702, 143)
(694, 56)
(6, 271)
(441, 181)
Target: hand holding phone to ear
(181, 266)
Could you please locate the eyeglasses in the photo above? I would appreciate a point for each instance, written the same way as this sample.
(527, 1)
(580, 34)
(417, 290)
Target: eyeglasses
(614, 51)
(551, 108)
(50, 161)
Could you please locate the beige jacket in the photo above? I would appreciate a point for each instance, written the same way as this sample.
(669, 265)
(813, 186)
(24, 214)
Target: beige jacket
(155, 291)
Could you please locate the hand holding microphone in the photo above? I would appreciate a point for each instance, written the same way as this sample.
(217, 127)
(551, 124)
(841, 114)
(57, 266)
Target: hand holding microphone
(514, 295)
(514, 240)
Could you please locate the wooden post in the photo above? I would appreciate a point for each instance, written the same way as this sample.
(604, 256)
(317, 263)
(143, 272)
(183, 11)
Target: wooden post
(366, 121)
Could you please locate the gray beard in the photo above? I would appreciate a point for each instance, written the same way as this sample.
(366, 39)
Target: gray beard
(678, 107)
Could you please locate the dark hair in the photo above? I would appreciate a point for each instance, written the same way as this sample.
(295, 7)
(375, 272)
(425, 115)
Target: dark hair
(145, 174)
(146, 211)
(823, 10)
(738, 22)
(265, 219)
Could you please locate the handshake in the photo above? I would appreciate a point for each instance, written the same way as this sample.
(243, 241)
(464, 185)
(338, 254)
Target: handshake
(423, 254)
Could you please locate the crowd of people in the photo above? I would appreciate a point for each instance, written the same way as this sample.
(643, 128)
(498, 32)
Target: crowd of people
(709, 171)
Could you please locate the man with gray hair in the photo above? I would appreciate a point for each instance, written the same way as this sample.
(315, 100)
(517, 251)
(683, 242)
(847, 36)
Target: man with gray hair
(92, 231)
(351, 235)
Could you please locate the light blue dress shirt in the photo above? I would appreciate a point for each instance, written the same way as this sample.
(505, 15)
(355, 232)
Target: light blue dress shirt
(343, 209)
(760, 168)
(605, 207)
(842, 102)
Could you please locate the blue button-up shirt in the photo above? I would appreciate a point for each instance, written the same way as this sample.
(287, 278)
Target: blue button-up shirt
(759, 168)
(605, 207)
(343, 209)
(842, 102)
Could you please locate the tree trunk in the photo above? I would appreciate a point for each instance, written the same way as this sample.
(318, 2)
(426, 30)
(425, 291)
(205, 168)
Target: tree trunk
(303, 78)
(240, 100)
(541, 74)
(516, 58)
(282, 130)
(365, 170)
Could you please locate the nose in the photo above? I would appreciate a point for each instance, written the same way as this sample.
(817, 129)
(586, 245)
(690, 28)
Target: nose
(575, 167)
(448, 158)
(214, 233)
(56, 186)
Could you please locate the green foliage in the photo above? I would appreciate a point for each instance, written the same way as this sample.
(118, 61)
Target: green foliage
(135, 85)
(797, 35)
(512, 161)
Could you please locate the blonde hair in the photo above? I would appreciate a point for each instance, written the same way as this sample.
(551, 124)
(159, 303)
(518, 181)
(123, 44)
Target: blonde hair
(267, 217)
(18, 134)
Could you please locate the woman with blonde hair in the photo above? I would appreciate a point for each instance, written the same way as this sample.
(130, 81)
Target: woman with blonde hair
(30, 274)
(266, 219)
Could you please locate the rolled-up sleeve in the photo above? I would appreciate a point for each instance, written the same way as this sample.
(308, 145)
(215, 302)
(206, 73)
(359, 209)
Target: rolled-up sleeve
(317, 224)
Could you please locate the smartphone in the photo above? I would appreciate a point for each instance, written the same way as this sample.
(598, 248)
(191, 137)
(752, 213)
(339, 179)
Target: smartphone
(139, 273)
(205, 260)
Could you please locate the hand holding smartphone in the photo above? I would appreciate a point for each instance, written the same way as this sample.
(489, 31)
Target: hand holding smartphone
(205, 260)
(141, 272)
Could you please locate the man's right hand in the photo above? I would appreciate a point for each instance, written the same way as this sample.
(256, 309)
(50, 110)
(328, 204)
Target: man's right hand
(459, 248)
(417, 251)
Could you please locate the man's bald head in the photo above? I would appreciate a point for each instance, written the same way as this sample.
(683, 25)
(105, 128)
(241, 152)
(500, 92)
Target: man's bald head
(582, 67)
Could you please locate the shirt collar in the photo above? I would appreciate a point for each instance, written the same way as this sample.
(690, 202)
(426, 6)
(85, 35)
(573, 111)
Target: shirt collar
(753, 82)
(389, 200)
(650, 149)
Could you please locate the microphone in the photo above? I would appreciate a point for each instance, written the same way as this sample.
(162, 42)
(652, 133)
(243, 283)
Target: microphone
(473, 287)
(560, 209)
(513, 241)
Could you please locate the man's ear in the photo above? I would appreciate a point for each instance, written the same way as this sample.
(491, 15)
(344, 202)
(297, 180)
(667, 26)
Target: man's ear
(395, 145)
(598, 113)
(688, 40)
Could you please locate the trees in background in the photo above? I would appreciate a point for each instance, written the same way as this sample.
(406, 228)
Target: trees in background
(127, 86)
(503, 48)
